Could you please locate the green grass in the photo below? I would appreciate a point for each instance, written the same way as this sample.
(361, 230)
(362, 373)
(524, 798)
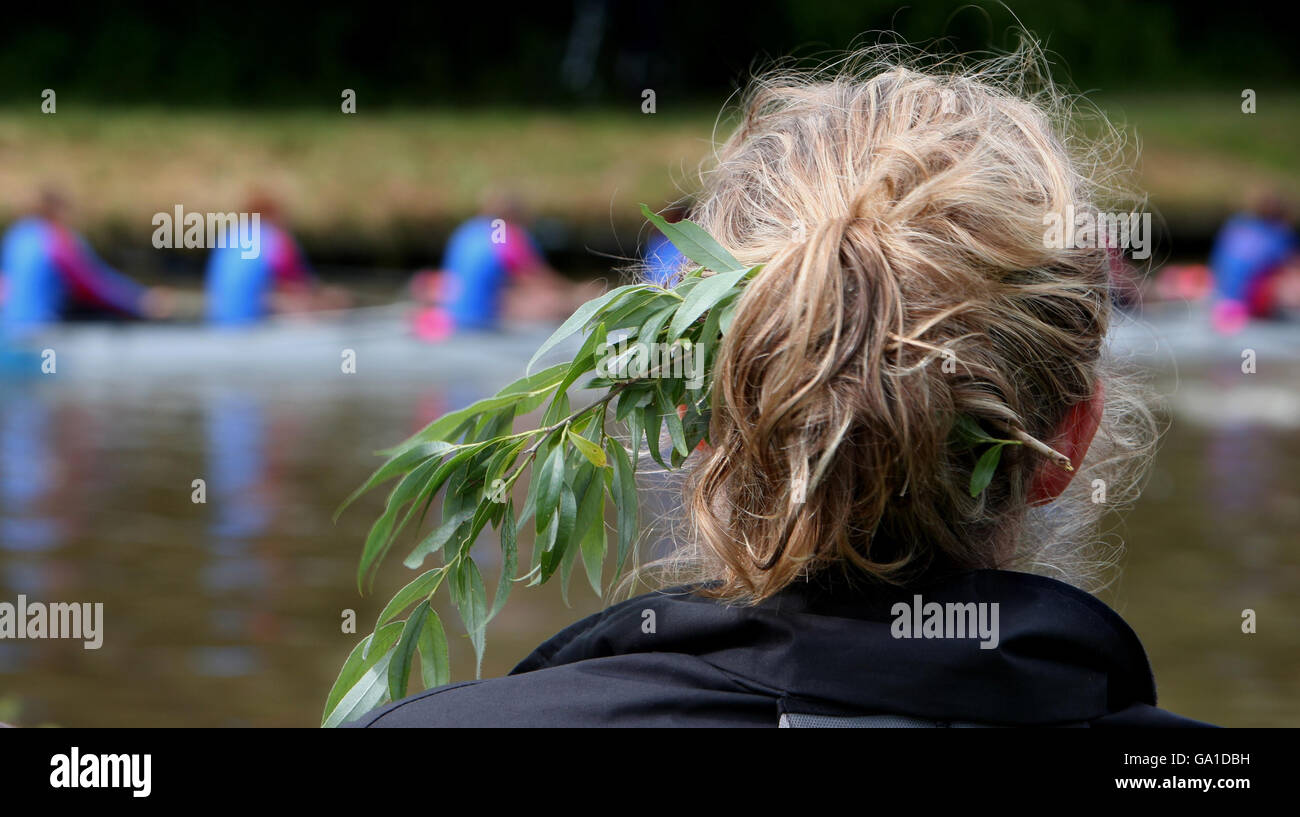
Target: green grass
(1199, 155)
(372, 175)
(334, 172)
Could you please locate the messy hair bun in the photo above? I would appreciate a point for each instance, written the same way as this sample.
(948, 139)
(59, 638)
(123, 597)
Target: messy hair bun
(898, 210)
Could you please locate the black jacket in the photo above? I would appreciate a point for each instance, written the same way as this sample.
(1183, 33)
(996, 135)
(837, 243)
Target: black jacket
(1063, 658)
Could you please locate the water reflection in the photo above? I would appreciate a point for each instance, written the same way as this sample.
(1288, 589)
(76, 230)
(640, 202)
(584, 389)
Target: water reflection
(28, 464)
(240, 507)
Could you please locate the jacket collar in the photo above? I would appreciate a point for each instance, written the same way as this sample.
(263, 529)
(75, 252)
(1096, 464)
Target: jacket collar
(1062, 656)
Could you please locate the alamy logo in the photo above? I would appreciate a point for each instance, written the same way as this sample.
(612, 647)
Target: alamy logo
(633, 360)
(952, 620)
(90, 771)
(1088, 230)
(208, 231)
(54, 620)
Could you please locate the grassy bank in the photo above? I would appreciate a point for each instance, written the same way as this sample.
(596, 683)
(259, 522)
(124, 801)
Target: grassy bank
(375, 182)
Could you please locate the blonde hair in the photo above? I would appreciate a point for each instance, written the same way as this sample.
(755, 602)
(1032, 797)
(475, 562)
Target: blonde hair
(899, 210)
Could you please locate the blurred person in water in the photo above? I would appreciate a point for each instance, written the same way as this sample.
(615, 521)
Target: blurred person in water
(50, 274)
(662, 261)
(1250, 255)
(243, 291)
(493, 271)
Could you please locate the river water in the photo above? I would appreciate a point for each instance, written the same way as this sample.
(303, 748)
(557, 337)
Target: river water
(229, 612)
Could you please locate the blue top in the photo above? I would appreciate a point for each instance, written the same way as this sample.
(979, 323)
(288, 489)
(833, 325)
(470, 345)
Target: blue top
(1247, 249)
(479, 260)
(33, 287)
(47, 269)
(239, 289)
(663, 261)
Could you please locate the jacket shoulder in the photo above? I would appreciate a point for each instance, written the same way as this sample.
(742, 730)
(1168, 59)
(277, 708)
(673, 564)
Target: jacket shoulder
(640, 689)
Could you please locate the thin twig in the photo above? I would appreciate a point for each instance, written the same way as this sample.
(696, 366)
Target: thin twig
(1036, 445)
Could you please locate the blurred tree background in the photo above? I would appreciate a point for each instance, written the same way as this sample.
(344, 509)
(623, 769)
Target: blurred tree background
(596, 51)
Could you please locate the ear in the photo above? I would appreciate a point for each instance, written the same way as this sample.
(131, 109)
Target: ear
(1072, 439)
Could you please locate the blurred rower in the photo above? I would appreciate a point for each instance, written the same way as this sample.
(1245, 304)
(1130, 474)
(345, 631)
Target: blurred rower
(243, 291)
(49, 274)
(1249, 253)
(493, 270)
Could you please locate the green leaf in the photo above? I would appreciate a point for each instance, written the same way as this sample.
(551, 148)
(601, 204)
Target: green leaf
(591, 527)
(535, 388)
(728, 315)
(696, 423)
(703, 297)
(550, 478)
(649, 331)
(396, 466)
(568, 536)
(620, 366)
(625, 499)
(472, 603)
(567, 561)
(652, 420)
(634, 431)
(675, 430)
(537, 382)
(451, 466)
(530, 498)
(423, 586)
(579, 319)
(362, 683)
(410, 490)
(970, 431)
(542, 545)
(568, 516)
(594, 453)
(525, 394)
(456, 498)
(435, 669)
(445, 428)
(983, 473)
(585, 360)
(633, 397)
(635, 309)
(438, 538)
(382, 532)
(558, 409)
(694, 242)
(481, 517)
(709, 335)
(559, 535)
(399, 668)
(372, 551)
(509, 561)
(500, 463)
(492, 425)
